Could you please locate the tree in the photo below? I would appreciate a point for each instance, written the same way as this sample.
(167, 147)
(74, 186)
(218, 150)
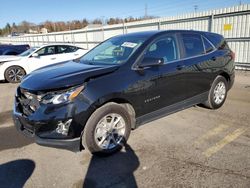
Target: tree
(25, 26)
(8, 28)
(84, 23)
(50, 26)
(14, 27)
(97, 21)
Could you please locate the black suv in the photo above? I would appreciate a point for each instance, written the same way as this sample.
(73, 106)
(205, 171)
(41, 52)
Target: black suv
(125, 81)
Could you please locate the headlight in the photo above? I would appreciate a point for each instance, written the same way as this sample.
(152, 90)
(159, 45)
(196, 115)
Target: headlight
(60, 97)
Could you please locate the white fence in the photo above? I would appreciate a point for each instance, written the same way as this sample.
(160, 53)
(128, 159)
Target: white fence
(232, 22)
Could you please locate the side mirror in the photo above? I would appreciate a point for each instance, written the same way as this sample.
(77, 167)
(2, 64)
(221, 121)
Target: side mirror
(35, 55)
(151, 61)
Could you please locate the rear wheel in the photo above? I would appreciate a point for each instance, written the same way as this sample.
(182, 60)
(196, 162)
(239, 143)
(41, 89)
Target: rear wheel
(107, 129)
(217, 94)
(14, 74)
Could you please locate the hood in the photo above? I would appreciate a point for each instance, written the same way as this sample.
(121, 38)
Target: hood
(63, 75)
(5, 58)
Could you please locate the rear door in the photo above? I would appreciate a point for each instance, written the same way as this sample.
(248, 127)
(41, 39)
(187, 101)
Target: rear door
(198, 57)
(66, 53)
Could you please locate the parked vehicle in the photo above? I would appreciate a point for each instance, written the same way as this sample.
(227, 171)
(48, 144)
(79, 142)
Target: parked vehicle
(122, 83)
(7, 58)
(13, 69)
(8, 49)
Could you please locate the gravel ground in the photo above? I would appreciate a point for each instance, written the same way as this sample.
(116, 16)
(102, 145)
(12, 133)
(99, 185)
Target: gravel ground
(196, 147)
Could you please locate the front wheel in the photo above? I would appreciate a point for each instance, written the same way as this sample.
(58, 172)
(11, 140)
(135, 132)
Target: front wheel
(217, 94)
(14, 74)
(107, 129)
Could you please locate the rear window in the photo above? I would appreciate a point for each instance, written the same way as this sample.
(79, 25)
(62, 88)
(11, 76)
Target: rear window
(193, 44)
(207, 45)
(217, 40)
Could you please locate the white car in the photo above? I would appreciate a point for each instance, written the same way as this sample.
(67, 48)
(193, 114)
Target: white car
(13, 68)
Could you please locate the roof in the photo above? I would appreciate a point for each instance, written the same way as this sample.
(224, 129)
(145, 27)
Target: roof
(57, 44)
(155, 32)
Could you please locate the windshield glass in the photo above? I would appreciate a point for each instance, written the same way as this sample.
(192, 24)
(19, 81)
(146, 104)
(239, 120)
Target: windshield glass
(27, 52)
(116, 50)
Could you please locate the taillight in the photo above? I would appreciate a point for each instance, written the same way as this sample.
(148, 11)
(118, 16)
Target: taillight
(232, 54)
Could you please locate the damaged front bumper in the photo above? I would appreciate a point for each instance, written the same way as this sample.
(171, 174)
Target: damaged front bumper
(28, 130)
(57, 126)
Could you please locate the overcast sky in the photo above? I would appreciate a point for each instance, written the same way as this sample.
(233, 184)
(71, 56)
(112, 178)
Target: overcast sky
(65, 10)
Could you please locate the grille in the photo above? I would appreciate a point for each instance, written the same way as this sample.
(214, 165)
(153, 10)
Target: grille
(29, 128)
(28, 101)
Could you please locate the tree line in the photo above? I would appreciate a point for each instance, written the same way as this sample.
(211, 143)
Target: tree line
(26, 27)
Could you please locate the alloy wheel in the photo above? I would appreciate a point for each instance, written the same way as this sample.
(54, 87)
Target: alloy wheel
(110, 131)
(15, 74)
(219, 92)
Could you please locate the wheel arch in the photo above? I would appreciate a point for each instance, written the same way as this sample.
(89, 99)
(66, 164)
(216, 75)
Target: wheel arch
(118, 100)
(125, 103)
(226, 76)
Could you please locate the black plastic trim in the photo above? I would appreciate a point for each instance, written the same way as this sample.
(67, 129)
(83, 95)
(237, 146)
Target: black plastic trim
(171, 109)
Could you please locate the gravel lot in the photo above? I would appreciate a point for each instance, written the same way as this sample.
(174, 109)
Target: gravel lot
(196, 147)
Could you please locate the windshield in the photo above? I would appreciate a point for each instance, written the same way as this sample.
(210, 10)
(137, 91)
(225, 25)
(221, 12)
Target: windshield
(116, 50)
(27, 52)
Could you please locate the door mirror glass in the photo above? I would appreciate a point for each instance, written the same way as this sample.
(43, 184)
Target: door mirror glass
(151, 61)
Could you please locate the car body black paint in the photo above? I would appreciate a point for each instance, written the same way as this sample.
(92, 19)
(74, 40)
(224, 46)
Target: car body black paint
(152, 91)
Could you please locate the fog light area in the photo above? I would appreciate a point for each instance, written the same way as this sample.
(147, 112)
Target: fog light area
(63, 127)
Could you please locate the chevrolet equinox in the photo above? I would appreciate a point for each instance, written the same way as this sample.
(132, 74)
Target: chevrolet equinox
(94, 102)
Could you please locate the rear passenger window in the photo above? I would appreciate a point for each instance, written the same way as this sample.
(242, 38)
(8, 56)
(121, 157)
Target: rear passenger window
(193, 44)
(62, 49)
(66, 49)
(72, 49)
(163, 48)
(208, 46)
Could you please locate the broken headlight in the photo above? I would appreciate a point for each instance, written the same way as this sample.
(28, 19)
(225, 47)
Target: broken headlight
(60, 97)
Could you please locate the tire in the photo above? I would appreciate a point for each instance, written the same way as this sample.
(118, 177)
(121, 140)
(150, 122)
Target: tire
(14, 74)
(97, 136)
(218, 93)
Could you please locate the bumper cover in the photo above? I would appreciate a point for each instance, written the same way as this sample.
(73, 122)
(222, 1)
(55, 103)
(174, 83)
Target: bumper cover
(22, 124)
(232, 79)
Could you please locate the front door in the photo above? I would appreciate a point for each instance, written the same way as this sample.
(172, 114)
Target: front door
(46, 56)
(167, 81)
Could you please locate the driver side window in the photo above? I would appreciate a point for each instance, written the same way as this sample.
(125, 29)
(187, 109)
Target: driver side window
(163, 48)
(49, 50)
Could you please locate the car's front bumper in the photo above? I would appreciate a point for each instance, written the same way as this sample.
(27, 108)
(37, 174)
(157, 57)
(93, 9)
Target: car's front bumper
(42, 125)
(2, 72)
(26, 129)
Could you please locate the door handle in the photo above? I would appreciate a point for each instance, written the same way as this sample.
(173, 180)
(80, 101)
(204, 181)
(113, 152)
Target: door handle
(213, 58)
(179, 67)
(76, 54)
(53, 58)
